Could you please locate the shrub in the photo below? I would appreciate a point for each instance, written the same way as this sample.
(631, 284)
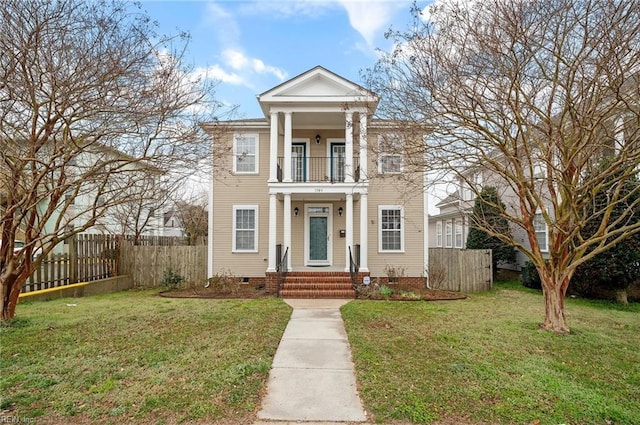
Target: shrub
(225, 283)
(385, 291)
(171, 279)
(530, 276)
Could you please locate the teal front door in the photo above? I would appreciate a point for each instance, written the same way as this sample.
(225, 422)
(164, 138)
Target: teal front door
(318, 235)
(318, 239)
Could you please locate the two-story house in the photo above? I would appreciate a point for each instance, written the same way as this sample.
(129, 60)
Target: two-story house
(311, 187)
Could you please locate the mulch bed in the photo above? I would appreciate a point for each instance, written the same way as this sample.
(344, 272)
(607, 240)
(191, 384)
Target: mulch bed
(252, 291)
(243, 290)
(409, 293)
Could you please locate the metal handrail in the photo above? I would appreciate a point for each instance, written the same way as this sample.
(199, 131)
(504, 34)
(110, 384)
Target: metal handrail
(317, 169)
(282, 270)
(353, 270)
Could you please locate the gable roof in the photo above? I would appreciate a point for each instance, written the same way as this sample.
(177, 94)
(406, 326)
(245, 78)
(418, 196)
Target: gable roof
(318, 86)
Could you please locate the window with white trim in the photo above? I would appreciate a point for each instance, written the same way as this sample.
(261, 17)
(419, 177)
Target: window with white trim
(448, 234)
(390, 157)
(391, 229)
(439, 234)
(245, 153)
(542, 234)
(245, 228)
(458, 230)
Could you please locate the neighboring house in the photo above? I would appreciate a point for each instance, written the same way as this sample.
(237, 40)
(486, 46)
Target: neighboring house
(172, 224)
(315, 179)
(127, 204)
(449, 228)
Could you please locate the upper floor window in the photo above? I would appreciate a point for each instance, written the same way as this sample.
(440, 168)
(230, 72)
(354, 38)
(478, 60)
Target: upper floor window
(245, 153)
(391, 234)
(542, 233)
(390, 157)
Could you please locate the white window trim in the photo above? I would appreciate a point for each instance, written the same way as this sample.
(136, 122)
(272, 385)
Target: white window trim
(234, 229)
(384, 154)
(448, 234)
(457, 231)
(256, 139)
(439, 235)
(390, 207)
(544, 248)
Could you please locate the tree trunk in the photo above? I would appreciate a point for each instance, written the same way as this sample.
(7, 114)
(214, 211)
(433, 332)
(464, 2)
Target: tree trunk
(554, 308)
(621, 297)
(11, 287)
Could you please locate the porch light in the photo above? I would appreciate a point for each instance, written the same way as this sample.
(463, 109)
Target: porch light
(317, 139)
(340, 211)
(296, 211)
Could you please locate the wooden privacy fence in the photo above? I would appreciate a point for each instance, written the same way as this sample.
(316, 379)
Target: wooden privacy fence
(90, 257)
(147, 264)
(464, 270)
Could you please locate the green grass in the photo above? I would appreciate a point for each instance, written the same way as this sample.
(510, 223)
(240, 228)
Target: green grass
(484, 360)
(133, 357)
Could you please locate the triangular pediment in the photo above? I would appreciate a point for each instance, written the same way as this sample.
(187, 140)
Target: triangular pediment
(316, 84)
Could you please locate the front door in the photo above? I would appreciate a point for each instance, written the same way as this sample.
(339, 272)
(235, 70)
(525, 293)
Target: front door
(318, 235)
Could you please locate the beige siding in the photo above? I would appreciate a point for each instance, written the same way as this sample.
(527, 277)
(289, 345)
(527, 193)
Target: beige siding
(245, 189)
(406, 192)
(230, 190)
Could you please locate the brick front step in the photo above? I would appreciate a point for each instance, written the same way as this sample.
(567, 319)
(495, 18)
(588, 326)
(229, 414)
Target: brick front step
(319, 293)
(317, 285)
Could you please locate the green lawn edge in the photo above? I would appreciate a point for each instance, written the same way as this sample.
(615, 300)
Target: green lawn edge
(135, 357)
(485, 360)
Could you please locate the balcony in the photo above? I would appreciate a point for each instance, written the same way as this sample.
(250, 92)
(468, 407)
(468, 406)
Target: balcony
(319, 169)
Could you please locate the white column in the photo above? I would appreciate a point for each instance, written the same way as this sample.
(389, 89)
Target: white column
(287, 228)
(425, 208)
(287, 147)
(273, 149)
(349, 232)
(363, 147)
(273, 223)
(210, 271)
(348, 160)
(364, 233)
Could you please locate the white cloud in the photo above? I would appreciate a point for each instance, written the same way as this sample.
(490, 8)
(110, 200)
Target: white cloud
(223, 23)
(237, 60)
(216, 72)
(371, 18)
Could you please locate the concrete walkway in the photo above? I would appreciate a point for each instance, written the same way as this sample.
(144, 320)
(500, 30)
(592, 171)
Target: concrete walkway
(312, 377)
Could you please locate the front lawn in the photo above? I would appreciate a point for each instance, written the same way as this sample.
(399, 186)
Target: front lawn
(484, 360)
(134, 357)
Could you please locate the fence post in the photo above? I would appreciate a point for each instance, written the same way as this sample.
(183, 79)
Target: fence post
(73, 260)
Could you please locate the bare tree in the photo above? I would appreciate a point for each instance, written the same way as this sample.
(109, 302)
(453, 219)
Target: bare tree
(92, 99)
(533, 93)
(192, 214)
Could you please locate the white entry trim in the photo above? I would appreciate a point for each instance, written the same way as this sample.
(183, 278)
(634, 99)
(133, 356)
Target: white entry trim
(307, 216)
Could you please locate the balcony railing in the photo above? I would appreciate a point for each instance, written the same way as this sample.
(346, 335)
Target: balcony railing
(319, 169)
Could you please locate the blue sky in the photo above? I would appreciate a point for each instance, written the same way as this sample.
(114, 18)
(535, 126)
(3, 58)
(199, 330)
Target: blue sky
(250, 46)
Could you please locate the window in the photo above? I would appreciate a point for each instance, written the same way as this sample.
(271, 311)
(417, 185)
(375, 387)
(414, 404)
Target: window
(439, 234)
(458, 228)
(245, 153)
(245, 228)
(541, 232)
(390, 158)
(391, 236)
(448, 234)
